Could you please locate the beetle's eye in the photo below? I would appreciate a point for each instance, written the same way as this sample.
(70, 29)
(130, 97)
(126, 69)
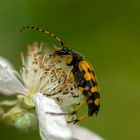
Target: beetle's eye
(65, 49)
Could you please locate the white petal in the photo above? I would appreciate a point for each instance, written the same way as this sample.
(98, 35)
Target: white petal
(8, 66)
(9, 84)
(82, 133)
(5, 63)
(52, 127)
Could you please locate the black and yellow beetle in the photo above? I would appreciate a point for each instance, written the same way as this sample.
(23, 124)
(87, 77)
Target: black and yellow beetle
(83, 74)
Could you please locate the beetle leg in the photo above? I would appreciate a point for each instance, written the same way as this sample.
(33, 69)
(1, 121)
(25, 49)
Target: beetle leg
(79, 119)
(71, 77)
(76, 109)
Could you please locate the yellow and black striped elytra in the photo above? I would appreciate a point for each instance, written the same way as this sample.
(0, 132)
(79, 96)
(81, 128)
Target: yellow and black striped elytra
(83, 75)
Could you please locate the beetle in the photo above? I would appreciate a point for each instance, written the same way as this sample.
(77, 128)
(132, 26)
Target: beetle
(82, 73)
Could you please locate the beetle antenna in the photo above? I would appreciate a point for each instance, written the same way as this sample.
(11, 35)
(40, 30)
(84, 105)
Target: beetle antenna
(42, 30)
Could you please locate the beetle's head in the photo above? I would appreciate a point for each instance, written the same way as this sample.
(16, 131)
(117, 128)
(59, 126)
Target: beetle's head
(67, 54)
(64, 51)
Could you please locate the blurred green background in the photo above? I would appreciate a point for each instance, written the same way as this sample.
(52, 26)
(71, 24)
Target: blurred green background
(106, 32)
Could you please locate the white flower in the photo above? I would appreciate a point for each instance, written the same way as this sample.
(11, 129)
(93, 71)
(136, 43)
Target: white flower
(42, 86)
(53, 127)
(9, 84)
